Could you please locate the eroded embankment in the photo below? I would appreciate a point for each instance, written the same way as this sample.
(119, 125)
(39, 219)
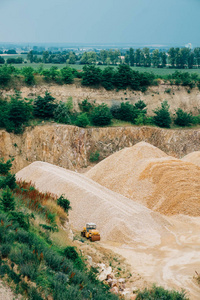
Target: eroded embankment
(70, 146)
(177, 96)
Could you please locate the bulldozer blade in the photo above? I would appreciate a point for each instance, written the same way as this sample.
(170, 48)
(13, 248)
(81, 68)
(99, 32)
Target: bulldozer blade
(95, 238)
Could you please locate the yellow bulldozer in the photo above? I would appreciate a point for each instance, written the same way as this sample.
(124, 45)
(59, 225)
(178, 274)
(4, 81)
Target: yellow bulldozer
(90, 232)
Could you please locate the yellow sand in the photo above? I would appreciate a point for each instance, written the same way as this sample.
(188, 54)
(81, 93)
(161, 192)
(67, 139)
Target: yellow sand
(147, 175)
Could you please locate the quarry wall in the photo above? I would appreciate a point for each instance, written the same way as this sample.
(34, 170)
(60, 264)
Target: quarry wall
(70, 146)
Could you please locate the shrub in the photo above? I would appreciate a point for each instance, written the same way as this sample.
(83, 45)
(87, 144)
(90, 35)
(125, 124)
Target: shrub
(157, 293)
(5, 75)
(108, 78)
(44, 107)
(82, 120)
(18, 114)
(127, 112)
(162, 116)
(183, 118)
(62, 113)
(28, 75)
(140, 105)
(86, 106)
(9, 181)
(7, 200)
(64, 203)
(5, 166)
(101, 115)
(67, 75)
(94, 156)
(91, 75)
(5, 250)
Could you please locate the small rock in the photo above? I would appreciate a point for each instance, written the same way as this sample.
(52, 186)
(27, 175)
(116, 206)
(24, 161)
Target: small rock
(126, 293)
(114, 282)
(104, 273)
(110, 276)
(121, 280)
(134, 289)
(89, 258)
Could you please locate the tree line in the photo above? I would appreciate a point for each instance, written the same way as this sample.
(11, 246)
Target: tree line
(179, 58)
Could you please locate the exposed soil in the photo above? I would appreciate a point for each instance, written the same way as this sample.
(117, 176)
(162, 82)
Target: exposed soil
(177, 97)
(159, 249)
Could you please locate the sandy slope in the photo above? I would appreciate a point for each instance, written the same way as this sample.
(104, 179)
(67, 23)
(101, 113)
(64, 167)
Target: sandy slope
(119, 219)
(164, 250)
(193, 157)
(147, 175)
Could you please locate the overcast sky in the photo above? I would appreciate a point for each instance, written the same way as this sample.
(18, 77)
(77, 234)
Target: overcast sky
(100, 21)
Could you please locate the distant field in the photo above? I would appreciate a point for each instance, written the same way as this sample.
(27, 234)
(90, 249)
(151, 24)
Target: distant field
(156, 71)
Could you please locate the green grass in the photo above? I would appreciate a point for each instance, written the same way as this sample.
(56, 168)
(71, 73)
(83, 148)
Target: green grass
(161, 72)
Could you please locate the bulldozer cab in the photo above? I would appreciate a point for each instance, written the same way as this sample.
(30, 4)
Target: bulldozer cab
(90, 226)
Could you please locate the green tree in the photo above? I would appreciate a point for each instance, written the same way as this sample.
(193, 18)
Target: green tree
(162, 116)
(156, 58)
(103, 56)
(84, 59)
(45, 57)
(72, 58)
(28, 75)
(19, 113)
(101, 115)
(64, 203)
(44, 106)
(7, 200)
(137, 57)
(131, 57)
(2, 60)
(67, 75)
(197, 56)
(147, 57)
(82, 120)
(30, 56)
(108, 78)
(172, 56)
(163, 56)
(183, 118)
(91, 75)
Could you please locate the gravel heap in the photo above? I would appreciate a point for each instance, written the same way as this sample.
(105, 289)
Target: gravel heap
(118, 218)
(147, 175)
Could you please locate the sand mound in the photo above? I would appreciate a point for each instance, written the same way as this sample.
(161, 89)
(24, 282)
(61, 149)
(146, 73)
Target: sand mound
(193, 157)
(147, 175)
(119, 219)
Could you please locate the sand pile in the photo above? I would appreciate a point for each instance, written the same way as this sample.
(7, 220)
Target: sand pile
(119, 219)
(193, 157)
(147, 175)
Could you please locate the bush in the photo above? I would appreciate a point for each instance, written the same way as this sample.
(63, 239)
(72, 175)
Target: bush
(94, 156)
(127, 112)
(91, 75)
(66, 75)
(18, 114)
(86, 106)
(158, 293)
(64, 203)
(62, 113)
(5, 75)
(7, 200)
(162, 116)
(44, 107)
(5, 166)
(101, 115)
(108, 78)
(183, 118)
(5, 250)
(9, 181)
(82, 120)
(28, 75)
